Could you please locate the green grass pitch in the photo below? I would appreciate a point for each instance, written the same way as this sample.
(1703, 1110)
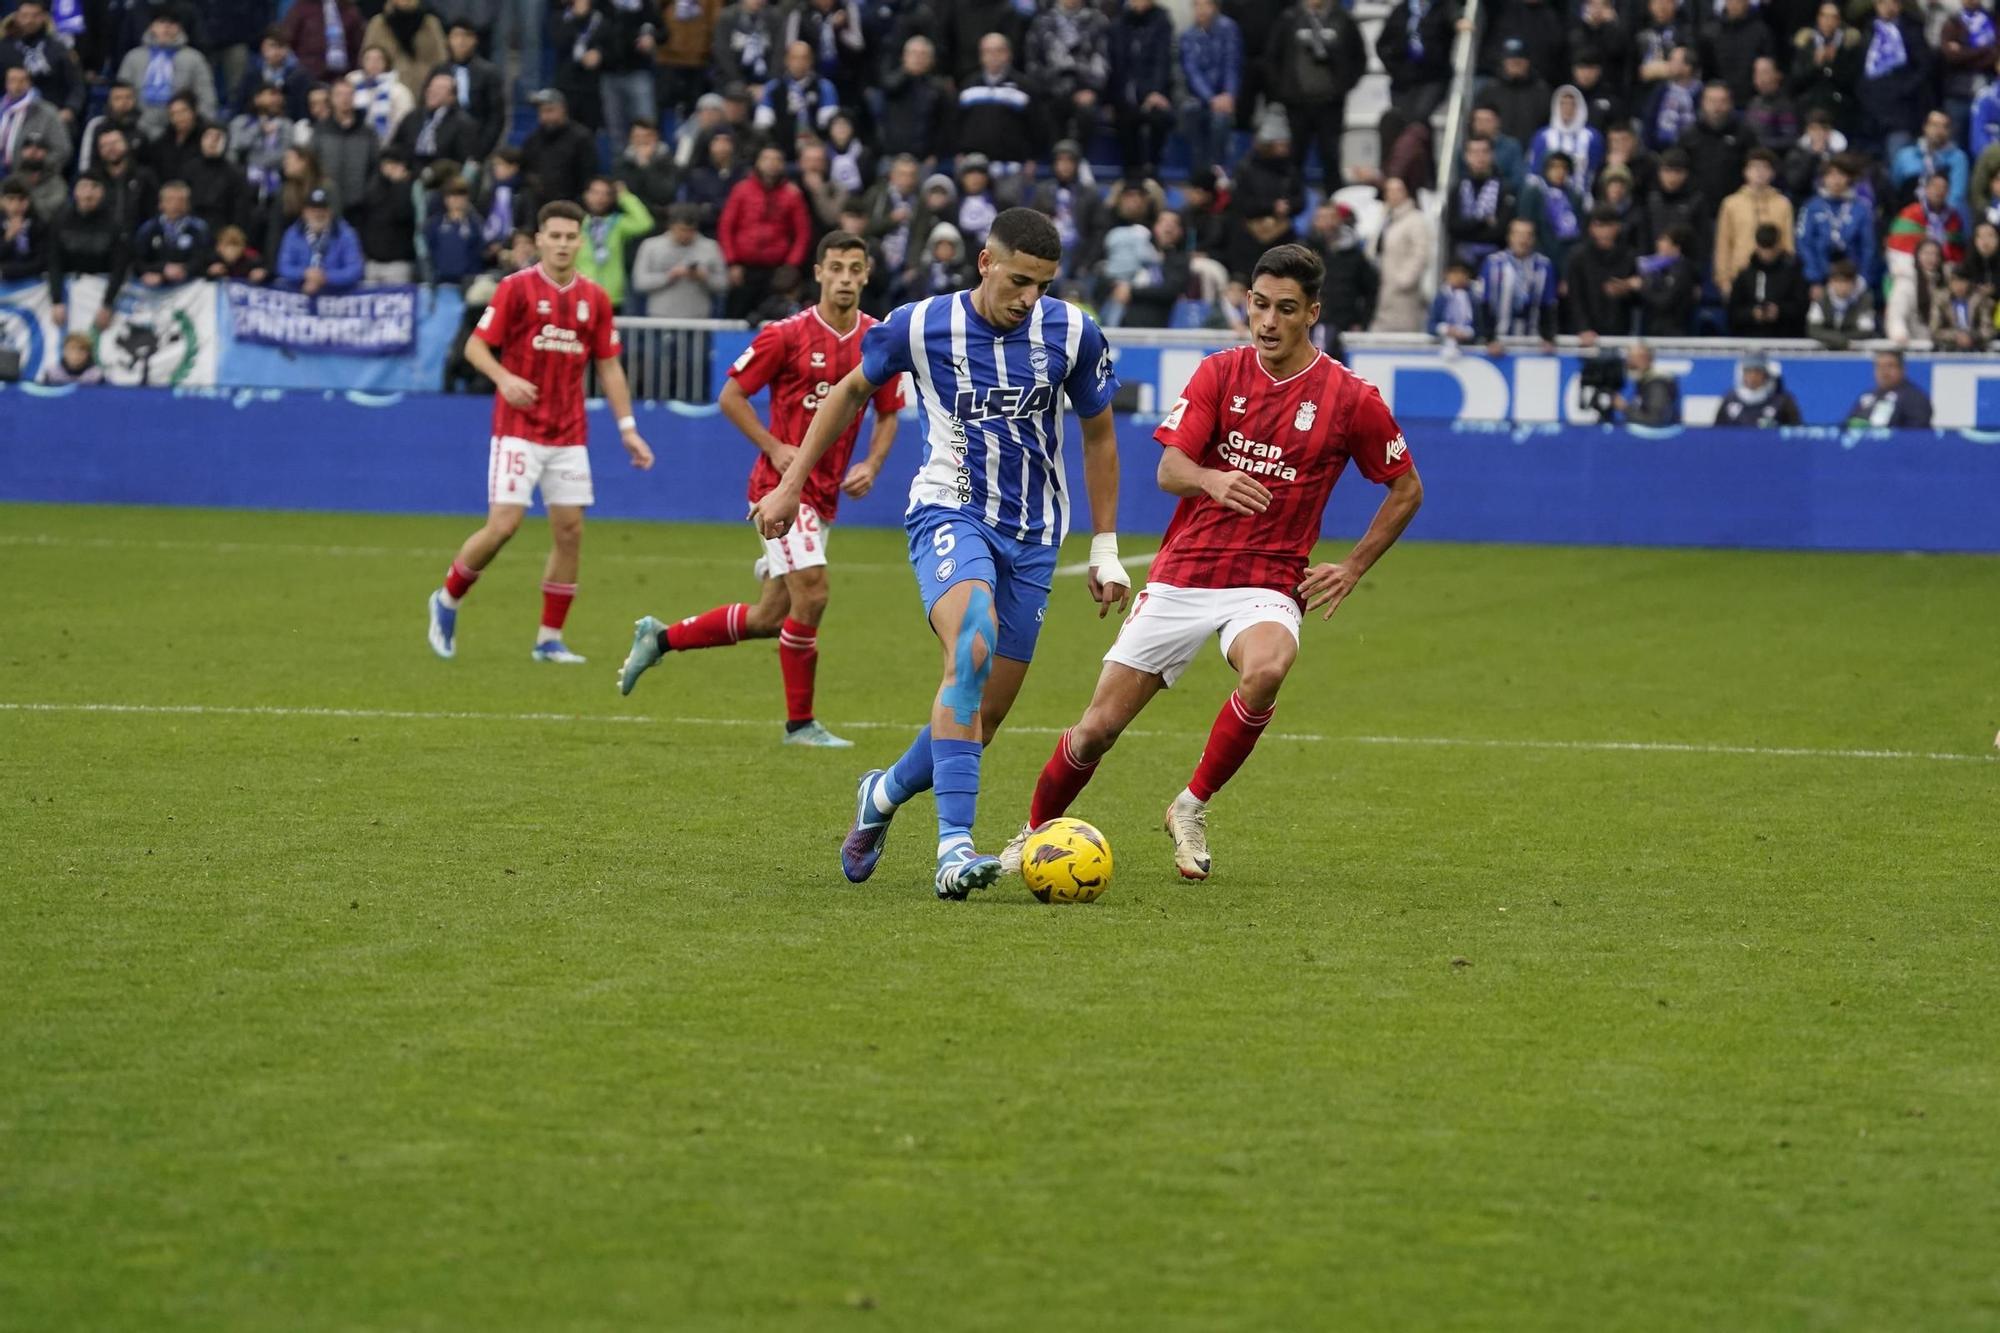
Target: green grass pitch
(497, 1001)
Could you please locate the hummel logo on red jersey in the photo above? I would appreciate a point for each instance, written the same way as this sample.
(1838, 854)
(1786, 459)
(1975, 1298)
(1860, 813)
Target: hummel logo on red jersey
(1236, 402)
(819, 360)
(541, 307)
(1303, 420)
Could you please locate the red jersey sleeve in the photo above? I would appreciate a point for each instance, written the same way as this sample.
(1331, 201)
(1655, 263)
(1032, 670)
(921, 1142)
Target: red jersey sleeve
(604, 344)
(761, 360)
(503, 312)
(889, 398)
(1374, 440)
(1189, 425)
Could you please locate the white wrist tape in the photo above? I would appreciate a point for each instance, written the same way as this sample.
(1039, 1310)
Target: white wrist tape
(1104, 559)
(628, 423)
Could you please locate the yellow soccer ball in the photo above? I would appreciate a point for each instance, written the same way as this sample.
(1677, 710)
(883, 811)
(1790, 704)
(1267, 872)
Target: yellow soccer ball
(1066, 861)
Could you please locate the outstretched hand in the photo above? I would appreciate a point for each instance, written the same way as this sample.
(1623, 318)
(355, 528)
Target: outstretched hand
(1327, 586)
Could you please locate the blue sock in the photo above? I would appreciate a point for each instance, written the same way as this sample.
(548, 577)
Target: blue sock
(912, 773)
(955, 770)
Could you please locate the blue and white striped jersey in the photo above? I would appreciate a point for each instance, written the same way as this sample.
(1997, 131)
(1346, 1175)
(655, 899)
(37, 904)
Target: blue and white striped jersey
(991, 405)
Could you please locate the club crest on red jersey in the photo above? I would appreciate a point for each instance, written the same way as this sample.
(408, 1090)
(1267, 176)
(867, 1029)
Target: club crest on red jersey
(1303, 418)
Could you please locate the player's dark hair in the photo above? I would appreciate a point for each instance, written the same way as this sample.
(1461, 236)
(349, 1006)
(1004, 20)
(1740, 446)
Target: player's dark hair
(558, 208)
(838, 240)
(1297, 262)
(1027, 232)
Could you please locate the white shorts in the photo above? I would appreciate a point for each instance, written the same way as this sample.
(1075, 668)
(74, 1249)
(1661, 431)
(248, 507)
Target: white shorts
(1168, 625)
(516, 468)
(804, 547)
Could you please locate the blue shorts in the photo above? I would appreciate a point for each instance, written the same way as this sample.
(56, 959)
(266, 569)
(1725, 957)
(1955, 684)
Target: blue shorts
(949, 547)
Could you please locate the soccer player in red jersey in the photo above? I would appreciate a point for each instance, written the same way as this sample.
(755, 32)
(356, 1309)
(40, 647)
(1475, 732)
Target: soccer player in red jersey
(543, 325)
(800, 359)
(1253, 448)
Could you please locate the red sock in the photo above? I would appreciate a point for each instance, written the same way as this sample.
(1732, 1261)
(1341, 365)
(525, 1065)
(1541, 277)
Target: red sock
(458, 580)
(710, 629)
(1063, 780)
(798, 656)
(1230, 742)
(556, 598)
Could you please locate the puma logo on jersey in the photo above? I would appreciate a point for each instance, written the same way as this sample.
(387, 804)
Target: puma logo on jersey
(1397, 448)
(1303, 419)
(1236, 402)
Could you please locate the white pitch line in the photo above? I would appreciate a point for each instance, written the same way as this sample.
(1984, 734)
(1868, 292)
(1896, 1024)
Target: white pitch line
(1311, 738)
(49, 541)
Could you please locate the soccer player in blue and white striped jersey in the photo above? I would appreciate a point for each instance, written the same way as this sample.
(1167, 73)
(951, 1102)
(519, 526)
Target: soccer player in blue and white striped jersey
(988, 509)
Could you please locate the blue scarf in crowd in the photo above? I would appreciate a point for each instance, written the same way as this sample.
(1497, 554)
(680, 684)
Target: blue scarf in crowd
(157, 87)
(1413, 25)
(67, 15)
(1562, 215)
(381, 103)
(1457, 308)
(500, 215)
(1978, 28)
(1886, 52)
(1676, 113)
(336, 36)
(1482, 202)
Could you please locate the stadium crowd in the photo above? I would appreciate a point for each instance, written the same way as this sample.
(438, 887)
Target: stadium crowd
(1652, 167)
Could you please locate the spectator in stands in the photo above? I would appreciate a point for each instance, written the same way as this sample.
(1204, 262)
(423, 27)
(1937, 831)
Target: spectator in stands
(301, 176)
(85, 238)
(1669, 288)
(613, 221)
(1517, 292)
(966, 26)
(946, 268)
(173, 247)
(440, 131)
(1931, 218)
(77, 364)
(168, 154)
(647, 169)
(800, 101)
(1934, 154)
(1257, 228)
(749, 43)
(454, 239)
(320, 251)
(578, 58)
(1768, 298)
(33, 43)
(1604, 104)
(121, 112)
(1986, 184)
(1674, 106)
(1142, 84)
(1404, 248)
(380, 97)
(1129, 252)
(1211, 49)
(691, 139)
(1656, 395)
(1913, 296)
(1454, 313)
(1673, 202)
(24, 238)
(411, 38)
(1653, 48)
(1269, 177)
(1519, 96)
(1970, 56)
(1772, 118)
(834, 31)
(1843, 311)
(1205, 210)
(1820, 144)
(998, 114)
(1600, 38)
(709, 185)
(276, 67)
(1963, 320)
(388, 226)
(628, 35)
(218, 191)
(325, 35)
(1150, 297)
(1745, 214)
(1826, 66)
(1069, 48)
(1715, 145)
(478, 85)
(35, 169)
(1894, 402)
(917, 106)
(1414, 46)
(1555, 206)
(1481, 206)
(1510, 159)
(166, 65)
(978, 204)
(1615, 198)
(1569, 132)
(1982, 261)
(1348, 295)
(1602, 281)
(235, 260)
(1985, 127)
(1759, 398)
(1895, 88)
(1622, 149)
(824, 196)
(1540, 31)
(1315, 58)
(25, 115)
(505, 202)
(687, 38)
(681, 272)
(1735, 43)
(898, 222)
(345, 147)
(764, 227)
(559, 156)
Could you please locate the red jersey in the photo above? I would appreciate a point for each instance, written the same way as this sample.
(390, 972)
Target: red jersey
(547, 334)
(1293, 435)
(801, 359)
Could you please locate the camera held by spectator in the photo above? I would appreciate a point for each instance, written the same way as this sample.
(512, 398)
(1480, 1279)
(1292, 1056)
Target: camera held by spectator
(1656, 399)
